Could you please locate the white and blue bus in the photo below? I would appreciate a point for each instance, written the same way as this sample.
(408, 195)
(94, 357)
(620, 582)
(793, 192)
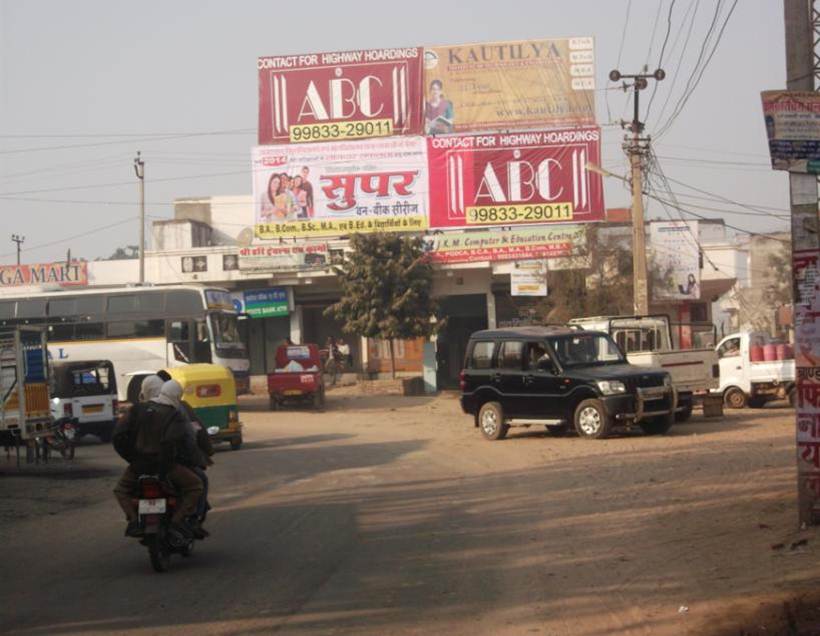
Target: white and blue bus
(139, 329)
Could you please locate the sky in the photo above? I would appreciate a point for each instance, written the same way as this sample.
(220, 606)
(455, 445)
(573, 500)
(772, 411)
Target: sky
(85, 84)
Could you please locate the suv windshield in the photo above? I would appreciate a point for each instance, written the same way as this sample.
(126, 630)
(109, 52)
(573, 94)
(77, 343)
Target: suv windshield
(585, 349)
(226, 331)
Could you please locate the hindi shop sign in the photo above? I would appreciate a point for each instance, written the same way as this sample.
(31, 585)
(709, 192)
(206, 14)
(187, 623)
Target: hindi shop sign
(518, 178)
(337, 188)
(283, 257)
(793, 130)
(507, 245)
(262, 303)
(340, 95)
(74, 274)
(509, 85)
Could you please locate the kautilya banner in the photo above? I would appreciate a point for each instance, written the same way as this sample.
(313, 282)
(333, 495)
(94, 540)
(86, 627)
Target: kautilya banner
(74, 274)
(518, 178)
(340, 95)
(337, 188)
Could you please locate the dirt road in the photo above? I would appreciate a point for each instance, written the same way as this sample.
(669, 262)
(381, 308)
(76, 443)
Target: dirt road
(392, 515)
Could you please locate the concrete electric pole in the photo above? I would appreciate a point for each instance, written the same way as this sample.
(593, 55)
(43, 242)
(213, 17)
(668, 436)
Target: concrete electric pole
(635, 148)
(19, 240)
(139, 169)
(801, 22)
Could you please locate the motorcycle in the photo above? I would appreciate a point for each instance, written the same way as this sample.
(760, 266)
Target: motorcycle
(156, 505)
(60, 438)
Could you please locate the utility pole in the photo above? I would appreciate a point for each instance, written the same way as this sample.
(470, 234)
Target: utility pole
(799, 16)
(139, 169)
(19, 240)
(635, 148)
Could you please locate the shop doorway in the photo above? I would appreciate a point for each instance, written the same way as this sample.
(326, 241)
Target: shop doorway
(464, 314)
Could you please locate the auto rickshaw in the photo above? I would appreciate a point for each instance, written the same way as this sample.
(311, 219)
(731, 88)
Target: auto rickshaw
(210, 390)
(298, 377)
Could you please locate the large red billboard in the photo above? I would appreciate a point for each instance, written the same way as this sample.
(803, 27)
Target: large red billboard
(518, 178)
(341, 95)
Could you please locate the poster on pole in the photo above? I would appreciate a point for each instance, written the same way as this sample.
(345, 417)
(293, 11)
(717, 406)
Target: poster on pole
(793, 130)
(509, 85)
(676, 256)
(521, 178)
(338, 188)
(340, 95)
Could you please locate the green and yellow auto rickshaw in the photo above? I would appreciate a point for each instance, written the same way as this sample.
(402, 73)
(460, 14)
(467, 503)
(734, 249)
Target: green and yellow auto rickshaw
(210, 390)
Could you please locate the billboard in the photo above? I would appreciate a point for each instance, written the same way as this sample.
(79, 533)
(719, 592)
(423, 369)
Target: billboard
(340, 95)
(507, 245)
(74, 274)
(676, 254)
(529, 278)
(517, 178)
(337, 188)
(509, 85)
(793, 130)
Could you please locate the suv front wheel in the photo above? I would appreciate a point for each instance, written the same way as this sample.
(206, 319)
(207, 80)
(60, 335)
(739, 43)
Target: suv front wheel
(491, 421)
(591, 420)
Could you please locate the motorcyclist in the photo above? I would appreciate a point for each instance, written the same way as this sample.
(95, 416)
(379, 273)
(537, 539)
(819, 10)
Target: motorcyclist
(148, 439)
(194, 452)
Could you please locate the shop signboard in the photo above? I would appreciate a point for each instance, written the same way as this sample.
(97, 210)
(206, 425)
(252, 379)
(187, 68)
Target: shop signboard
(509, 85)
(521, 178)
(283, 257)
(263, 303)
(793, 129)
(529, 278)
(676, 256)
(338, 188)
(531, 242)
(340, 95)
(74, 274)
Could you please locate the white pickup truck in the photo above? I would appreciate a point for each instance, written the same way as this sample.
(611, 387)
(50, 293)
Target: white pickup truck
(746, 379)
(647, 342)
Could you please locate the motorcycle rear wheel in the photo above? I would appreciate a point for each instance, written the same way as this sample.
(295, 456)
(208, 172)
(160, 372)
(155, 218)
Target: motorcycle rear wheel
(158, 553)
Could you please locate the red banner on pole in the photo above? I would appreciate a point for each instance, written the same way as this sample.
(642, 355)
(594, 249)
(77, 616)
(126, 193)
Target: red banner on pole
(341, 95)
(511, 179)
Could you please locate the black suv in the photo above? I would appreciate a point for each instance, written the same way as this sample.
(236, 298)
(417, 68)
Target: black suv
(557, 376)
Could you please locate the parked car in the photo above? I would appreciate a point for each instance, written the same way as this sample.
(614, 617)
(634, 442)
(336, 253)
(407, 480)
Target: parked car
(85, 393)
(647, 342)
(561, 377)
(755, 370)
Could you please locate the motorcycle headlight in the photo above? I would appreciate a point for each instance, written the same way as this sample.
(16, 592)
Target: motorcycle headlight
(213, 430)
(611, 387)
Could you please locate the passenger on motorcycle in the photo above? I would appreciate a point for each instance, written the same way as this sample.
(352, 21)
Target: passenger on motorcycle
(148, 440)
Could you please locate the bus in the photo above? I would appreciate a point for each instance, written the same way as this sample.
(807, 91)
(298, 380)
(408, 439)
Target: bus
(139, 329)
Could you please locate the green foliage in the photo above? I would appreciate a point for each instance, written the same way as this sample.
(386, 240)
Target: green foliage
(386, 286)
(128, 252)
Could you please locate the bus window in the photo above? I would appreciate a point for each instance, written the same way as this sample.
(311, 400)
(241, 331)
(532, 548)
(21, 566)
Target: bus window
(136, 329)
(182, 302)
(122, 304)
(202, 346)
(89, 331)
(179, 335)
(62, 307)
(90, 305)
(61, 332)
(32, 308)
(7, 310)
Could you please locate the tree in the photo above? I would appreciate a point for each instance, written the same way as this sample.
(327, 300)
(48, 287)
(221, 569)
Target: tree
(386, 283)
(124, 253)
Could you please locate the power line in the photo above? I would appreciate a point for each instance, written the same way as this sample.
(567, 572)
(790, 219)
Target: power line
(620, 52)
(660, 57)
(676, 74)
(76, 236)
(682, 103)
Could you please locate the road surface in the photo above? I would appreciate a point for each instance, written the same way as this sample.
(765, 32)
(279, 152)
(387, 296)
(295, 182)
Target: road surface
(389, 515)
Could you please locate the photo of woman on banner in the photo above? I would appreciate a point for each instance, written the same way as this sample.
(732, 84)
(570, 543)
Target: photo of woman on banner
(438, 112)
(267, 205)
(300, 195)
(284, 203)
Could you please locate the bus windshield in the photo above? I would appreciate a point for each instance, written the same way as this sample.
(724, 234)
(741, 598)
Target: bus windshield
(226, 332)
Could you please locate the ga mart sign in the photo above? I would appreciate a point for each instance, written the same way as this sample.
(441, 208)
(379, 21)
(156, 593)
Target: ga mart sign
(62, 274)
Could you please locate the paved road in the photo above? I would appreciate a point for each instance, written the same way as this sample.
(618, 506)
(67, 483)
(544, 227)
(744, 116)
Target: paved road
(392, 515)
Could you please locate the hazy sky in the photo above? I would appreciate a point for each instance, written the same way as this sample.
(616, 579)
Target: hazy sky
(90, 82)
